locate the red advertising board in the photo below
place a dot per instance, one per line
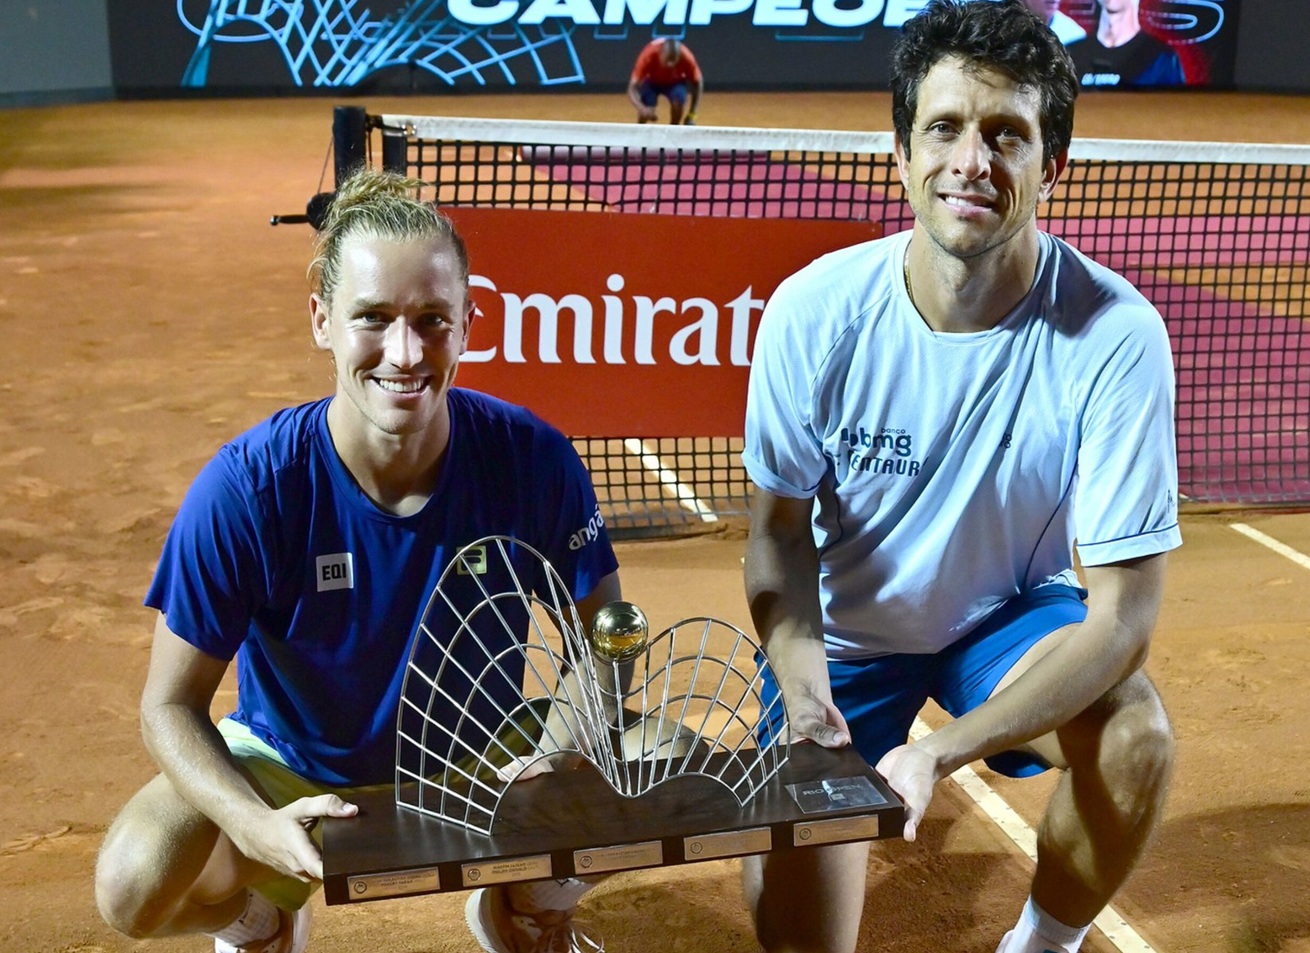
(609, 324)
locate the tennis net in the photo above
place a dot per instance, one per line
(1216, 235)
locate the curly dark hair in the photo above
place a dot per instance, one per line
(1001, 34)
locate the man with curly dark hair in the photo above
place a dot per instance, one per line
(935, 421)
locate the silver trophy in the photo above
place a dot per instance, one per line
(528, 748)
(503, 676)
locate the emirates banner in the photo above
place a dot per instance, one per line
(613, 325)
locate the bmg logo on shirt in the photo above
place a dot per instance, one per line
(897, 441)
(864, 449)
(336, 571)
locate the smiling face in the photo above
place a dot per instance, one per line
(396, 324)
(974, 172)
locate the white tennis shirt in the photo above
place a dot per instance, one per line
(952, 472)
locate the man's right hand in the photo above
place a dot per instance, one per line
(279, 839)
(813, 719)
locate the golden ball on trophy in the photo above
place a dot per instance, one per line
(619, 632)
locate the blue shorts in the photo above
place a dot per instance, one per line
(649, 92)
(880, 697)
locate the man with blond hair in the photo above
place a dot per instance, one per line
(307, 550)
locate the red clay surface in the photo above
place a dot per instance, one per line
(149, 313)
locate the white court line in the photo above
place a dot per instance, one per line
(1115, 927)
(684, 494)
(1282, 549)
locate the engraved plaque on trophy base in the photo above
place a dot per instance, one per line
(569, 823)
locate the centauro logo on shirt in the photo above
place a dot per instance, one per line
(335, 572)
(883, 451)
(588, 533)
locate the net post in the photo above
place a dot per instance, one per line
(395, 151)
(349, 139)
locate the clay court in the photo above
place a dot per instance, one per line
(153, 313)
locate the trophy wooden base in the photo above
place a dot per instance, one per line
(572, 823)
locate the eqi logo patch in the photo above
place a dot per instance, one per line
(336, 571)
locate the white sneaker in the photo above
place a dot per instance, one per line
(292, 936)
(499, 928)
(1005, 940)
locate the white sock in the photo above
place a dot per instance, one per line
(1039, 932)
(555, 894)
(258, 921)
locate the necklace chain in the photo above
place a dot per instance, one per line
(909, 285)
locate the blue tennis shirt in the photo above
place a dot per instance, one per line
(277, 558)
